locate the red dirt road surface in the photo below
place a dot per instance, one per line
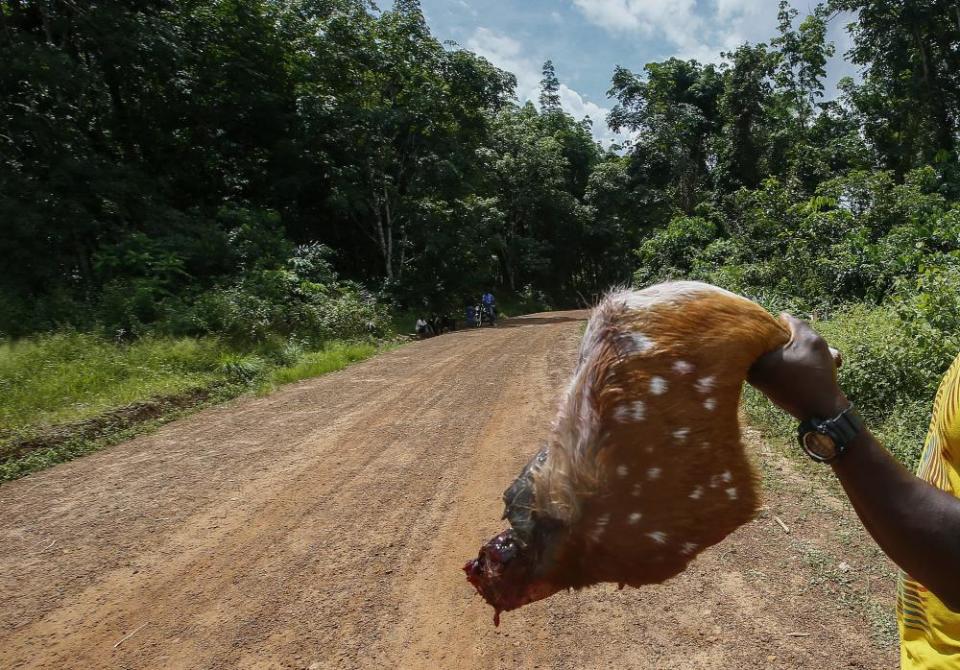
(325, 526)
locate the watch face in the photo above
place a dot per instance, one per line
(820, 445)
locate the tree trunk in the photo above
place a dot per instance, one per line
(403, 250)
(389, 230)
(382, 233)
(3, 23)
(511, 276)
(934, 96)
(505, 257)
(122, 123)
(45, 19)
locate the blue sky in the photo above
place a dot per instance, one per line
(587, 38)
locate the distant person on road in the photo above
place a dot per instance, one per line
(423, 328)
(489, 305)
(914, 519)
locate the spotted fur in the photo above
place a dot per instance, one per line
(644, 466)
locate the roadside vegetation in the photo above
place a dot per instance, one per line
(845, 212)
(874, 263)
(67, 394)
(209, 196)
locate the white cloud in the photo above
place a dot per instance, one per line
(614, 15)
(465, 6)
(677, 22)
(574, 103)
(703, 30)
(694, 30)
(577, 107)
(508, 54)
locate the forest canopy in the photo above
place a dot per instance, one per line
(192, 167)
(276, 176)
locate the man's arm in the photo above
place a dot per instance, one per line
(916, 524)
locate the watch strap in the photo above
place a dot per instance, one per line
(842, 429)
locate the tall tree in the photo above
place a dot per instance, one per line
(911, 92)
(675, 112)
(404, 136)
(803, 54)
(744, 104)
(549, 89)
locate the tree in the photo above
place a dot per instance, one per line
(406, 135)
(549, 89)
(911, 94)
(802, 59)
(675, 111)
(744, 109)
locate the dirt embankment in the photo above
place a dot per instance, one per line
(324, 526)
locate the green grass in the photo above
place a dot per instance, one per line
(70, 377)
(331, 358)
(61, 393)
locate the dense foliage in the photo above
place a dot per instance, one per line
(291, 171)
(161, 164)
(845, 211)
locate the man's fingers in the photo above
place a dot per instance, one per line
(801, 331)
(803, 334)
(794, 324)
(763, 366)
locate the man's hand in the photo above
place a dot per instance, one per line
(916, 524)
(800, 377)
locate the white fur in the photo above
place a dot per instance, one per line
(706, 384)
(658, 536)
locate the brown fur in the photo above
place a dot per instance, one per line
(681, 467)
(644, 467)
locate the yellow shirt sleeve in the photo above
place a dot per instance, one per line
(929, 631)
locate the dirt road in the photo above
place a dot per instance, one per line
(325, 526)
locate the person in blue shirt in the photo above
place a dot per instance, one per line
(489, 304)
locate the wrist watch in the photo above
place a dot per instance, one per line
(826, 440)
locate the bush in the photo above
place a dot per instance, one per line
(241, 368)
(281, 293)
(930, 306)
(302, 300)
(671, 252)
(877, 263)
(885, 366)
(886, 372)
